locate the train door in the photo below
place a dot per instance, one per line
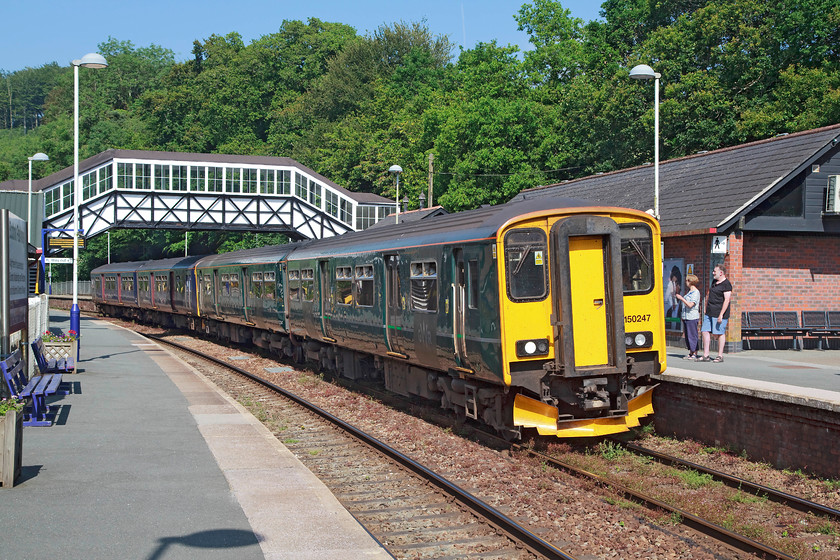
(459, 309)
(217, 294)
(393, 305)
(247, 300)
(173, 291)
(324, 291)
(588, 302)
(283, 295)
(119, 288)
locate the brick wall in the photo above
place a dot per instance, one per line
(784, 434)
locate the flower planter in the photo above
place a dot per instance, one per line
(11, 447)
(58, 351)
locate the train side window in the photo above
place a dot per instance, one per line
(307, 284)
(234, 284)
(472, 280)
(424, 289)
(525, 260)
(636, 258)
(294, 285)
(364, 285)
(344, 285)
(257, 284)
(269, 285)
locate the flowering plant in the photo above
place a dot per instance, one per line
(8, 405)
(61, 337)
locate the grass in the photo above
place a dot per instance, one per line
(694, 479)
(611, 451)
(740, 497)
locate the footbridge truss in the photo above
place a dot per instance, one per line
(191, 192)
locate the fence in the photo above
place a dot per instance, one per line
(66, 288)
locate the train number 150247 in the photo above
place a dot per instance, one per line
(636, 318)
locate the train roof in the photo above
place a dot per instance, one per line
(114, 268)
(169, 264)
(482, 223)
(260, 255)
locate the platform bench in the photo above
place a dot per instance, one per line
(35, 390)
(48, 364)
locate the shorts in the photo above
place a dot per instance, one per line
(713, 325)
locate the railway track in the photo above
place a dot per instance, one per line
(412, 511)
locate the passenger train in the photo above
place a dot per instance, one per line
(543, 314)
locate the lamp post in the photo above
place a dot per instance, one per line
(90, 60)
(396, 170)
(645, 72)
(40, 156)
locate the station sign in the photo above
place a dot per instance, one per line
(64, 243)
(58, 260)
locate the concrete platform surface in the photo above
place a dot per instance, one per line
(808, 377)
(149, 460)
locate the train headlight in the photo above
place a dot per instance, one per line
(534, 347)
(638, 339)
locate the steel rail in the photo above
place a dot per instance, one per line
(698, 524)
(518, 533)
(790, 500)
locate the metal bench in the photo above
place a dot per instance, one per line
(35, 390)
(787, 324)
(757, 324)
(816, 322)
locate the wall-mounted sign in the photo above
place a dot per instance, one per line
(719, 244)
(58, 260)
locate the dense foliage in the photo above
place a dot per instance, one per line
(495, 119)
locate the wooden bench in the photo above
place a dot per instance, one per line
(48, 364)
(36, 390)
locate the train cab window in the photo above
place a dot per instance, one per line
(294, 285)
(636, 258)
(269, 285)
(364, 285)
(307, 284)
(472, 281)
(424, 289)
(344, 285)
(257, 284)
(525, 264)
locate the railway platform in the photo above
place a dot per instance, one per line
(791, 375)
(148, 460)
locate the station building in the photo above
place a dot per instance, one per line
(769, 211)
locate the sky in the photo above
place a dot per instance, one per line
(38, 33)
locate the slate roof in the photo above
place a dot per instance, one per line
(706, 190)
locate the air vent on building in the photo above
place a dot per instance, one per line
(832, 201)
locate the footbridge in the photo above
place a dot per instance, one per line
(191, 192)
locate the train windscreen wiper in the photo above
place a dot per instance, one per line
(522, 260)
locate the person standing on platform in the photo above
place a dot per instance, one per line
(691, 315)
(717, 313)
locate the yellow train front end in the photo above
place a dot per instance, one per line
(582, 318)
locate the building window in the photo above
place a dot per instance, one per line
(88, 185)
(215, 179)
(143, 176)
(106, 179)
(300, 186)
(315, 194)
(385, 211)
(249, 181)
(365, 217)
(197, 178)
(67, 195)
(179, 177)
(525, 264)
(284, 182)
(266, 181)
(346, 215)
(52, 201)
(125, 175)
(161, 177)
(424, 291)
(332, 204)
(232, 177)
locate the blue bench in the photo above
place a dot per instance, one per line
(36, 390)
(50, 365)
